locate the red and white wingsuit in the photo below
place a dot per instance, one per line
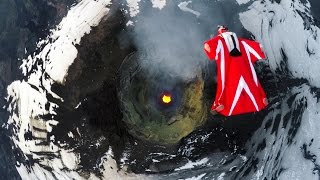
(238, 88)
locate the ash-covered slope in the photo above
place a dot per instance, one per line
(64, 120)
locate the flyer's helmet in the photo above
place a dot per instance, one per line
(222, 29)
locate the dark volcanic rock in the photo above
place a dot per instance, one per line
(91, 108)
(22, 24)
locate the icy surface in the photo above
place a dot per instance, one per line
(285, 142)
(288, 33)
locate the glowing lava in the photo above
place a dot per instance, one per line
(166, 98)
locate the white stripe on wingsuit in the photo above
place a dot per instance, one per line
(229, 42)
(242, 85)
(227, 37)
(248, 51)
(222, 68)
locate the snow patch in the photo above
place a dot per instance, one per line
(296, 153)
(69, 159)
(307, 141)
(70, 134)
(133, 7)
(28, 98)
(129, 23)
(29, 109)
(240, 2)
(197, 177)
(220, 177)
(183, 7)
(287, 32)
(158, 4)
(191, 164)
(60, 54)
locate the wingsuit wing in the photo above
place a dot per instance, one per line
(214, 50)
(254, 49)
(210, 48)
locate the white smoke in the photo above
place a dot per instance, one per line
(171, 40)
